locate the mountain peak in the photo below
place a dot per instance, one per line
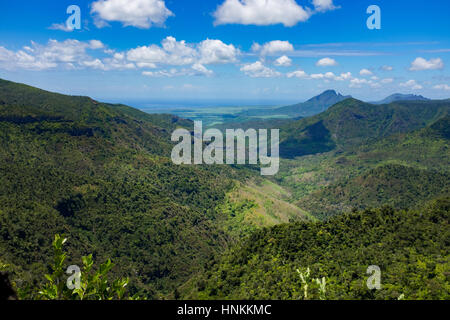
(314, 105)
(328, 98)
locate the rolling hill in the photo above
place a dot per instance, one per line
(409, 246)
(352, 122)
(402, 170)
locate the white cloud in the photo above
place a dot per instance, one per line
(327, 77)
(331, 76)
(283, 61)
(178, 53)
(261, 12)
(387, 80)
(273, 47)
(96, 44)
(298, 74)
(164, 73)
(201, 69)
(387, 68)
(344, 76)
(215, 51)
(195, 70)
(74, 54)
(317, 76)
(61, 27)
(118, 61)
(412, 84)
(326, 62)
(365, 72)
(445, 87)
(324, 5)
(258, 70)
(69, 54)
(422, 64)
(357, 83)
(172, 52)
(94, 64)
(136, 13)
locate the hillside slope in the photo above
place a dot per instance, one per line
(352, 122)
(402, 170)
(411, 249)
(100, 175)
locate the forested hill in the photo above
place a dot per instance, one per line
(411, 248)
(402, 170)
(98, 174)
(352, 122)
(83, 116)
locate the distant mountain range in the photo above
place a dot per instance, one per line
(316, 105)
(401, 97)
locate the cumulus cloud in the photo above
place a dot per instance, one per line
(387, 80)
(283, 61)
(178, 53)
(332, 76)
(324, 5)
(201, 69)
(136, 13)
(171, 52)
(298, 74)
(69, 54)
(93, 54)
(96, 44)
(258, 70)
(365, 72)
(194, 70)
(328, 76)
(215, 52)
(422, 64)
(412, 84)
(326, 62)
(445, 87)
(261, 12)
(387, 68)
(273, 47)
(61, 27)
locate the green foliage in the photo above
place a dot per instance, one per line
(395, 185)
(112, 190)
(101, 175)
(94, 285)
(403, 171)
(352, 123)
(410, 247)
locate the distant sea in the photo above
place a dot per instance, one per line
(159, 106)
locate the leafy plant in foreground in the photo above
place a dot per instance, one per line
(93, 284)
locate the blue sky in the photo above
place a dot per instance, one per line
(236, 51)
